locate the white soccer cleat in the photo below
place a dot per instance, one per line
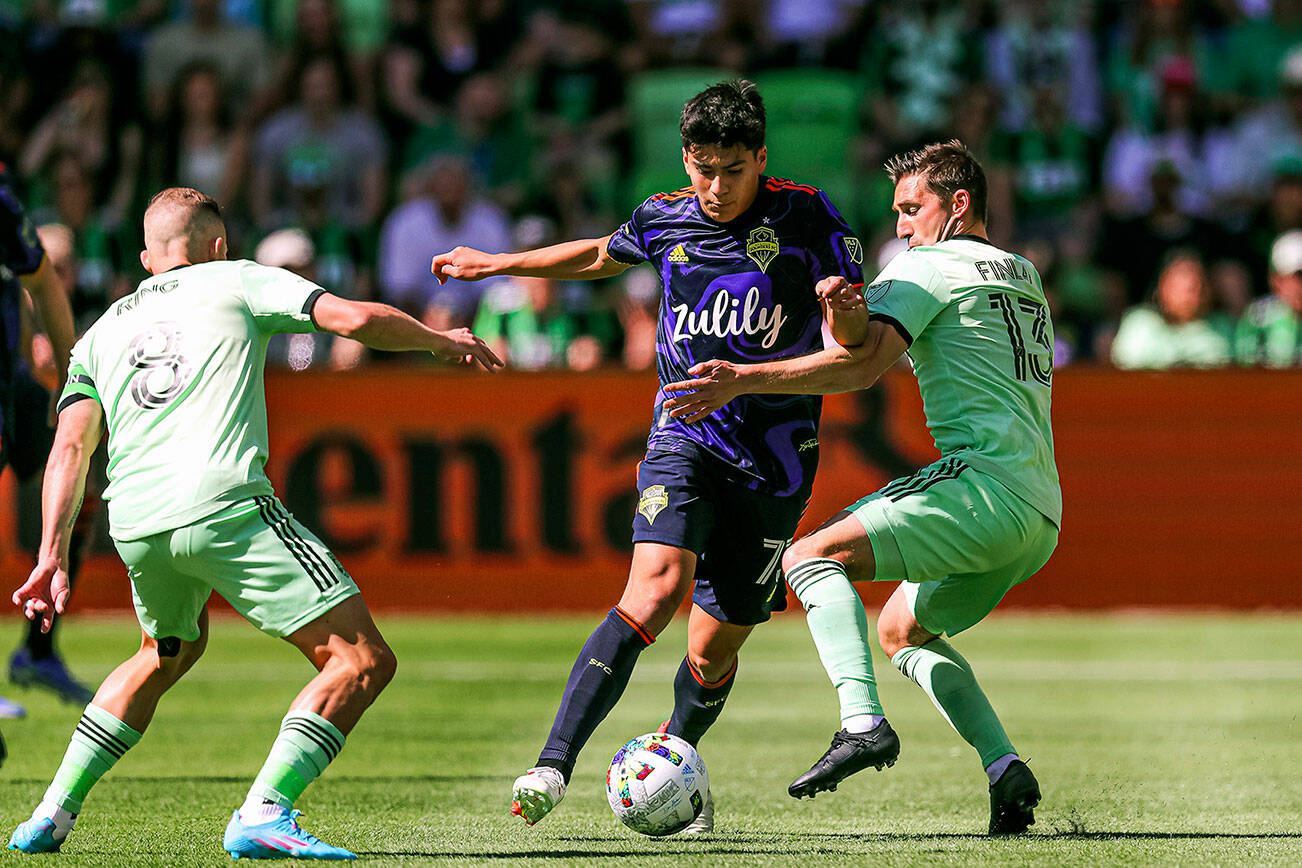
(536, 793)
(704, 822)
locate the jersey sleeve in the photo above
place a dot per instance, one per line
(20, 249)
(80, 385)
(628, 243)
(279, 300)
(908, 294)
(836, 250)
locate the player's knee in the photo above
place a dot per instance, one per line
(891, 637)
(383, 666)
(712, 664)
(801, 550)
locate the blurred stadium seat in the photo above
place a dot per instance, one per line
(812, 118)
(655, 106)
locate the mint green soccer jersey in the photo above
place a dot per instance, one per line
(981, 344)
(177, 366)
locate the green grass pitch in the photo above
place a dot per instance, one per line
(1157, 740)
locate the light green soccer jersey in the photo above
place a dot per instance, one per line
(982, 349)
(177, 366)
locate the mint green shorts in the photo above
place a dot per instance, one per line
(958, 537)
(274, 571)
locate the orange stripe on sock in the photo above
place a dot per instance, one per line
(700, 679)
(632, 622)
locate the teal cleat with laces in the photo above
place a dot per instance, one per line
(35, 836)
(277, 839)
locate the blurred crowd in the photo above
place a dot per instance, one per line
(1146, 155)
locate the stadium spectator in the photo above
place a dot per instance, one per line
(1184, 135)
(429, 58)
(201, 146)
(239, 51)
(487, 133)
(362, 25)
(1271, 134)
(320, 142)
(1047, 172)
(639, 307)
(810, 32)
(1270, 331)
(99, 254)
(918, 61)
(1178, 329)
(1247, 66)
(319, 31)
(88, 126)
(1133, 249)
(442, 211)
(579, 100)
(1044, 43)
(677, 32)
(292, 249)
(1163, 34)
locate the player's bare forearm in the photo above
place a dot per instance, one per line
(64, 486)
(50, 299)
(383, 327)
(585, 259)
(836, 369)
(844, 310)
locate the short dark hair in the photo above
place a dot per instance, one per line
(726, 114)
(947, 168)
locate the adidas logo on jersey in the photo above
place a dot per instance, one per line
(678, 254)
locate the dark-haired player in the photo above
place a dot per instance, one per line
(739, 255)
(26, 413)
(959, 533)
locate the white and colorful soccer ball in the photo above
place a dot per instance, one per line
(657, 784)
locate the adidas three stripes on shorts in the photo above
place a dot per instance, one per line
(958, 538)
(274, 571)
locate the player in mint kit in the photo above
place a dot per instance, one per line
(739, 254)
(174, 371)
(959, 533)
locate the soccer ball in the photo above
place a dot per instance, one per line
(657, 784)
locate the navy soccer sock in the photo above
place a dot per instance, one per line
(697, 705)
(597, 681)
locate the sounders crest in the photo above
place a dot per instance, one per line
(654, 499)
(762, 246)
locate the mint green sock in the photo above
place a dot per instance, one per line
(947, 678)
(305, 746)
(839, 626)
(98, 742)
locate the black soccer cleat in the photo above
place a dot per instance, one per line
(850, 752)
(1013, 799)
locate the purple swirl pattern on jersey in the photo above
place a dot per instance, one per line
(727, 295)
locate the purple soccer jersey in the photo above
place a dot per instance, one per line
(20, 253)
(743, 291)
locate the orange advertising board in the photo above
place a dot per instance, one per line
(454, 491)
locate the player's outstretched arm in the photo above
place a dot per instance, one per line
(382, 327)
(836, 369)
(585, 259)
(844, 309)
(45, 592)
(54, 312)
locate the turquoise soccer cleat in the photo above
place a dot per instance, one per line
(277, 839)
(35, 836)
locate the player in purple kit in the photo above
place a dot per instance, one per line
(739, 256)
(26, 409)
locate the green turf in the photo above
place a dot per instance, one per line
(1157, 740)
